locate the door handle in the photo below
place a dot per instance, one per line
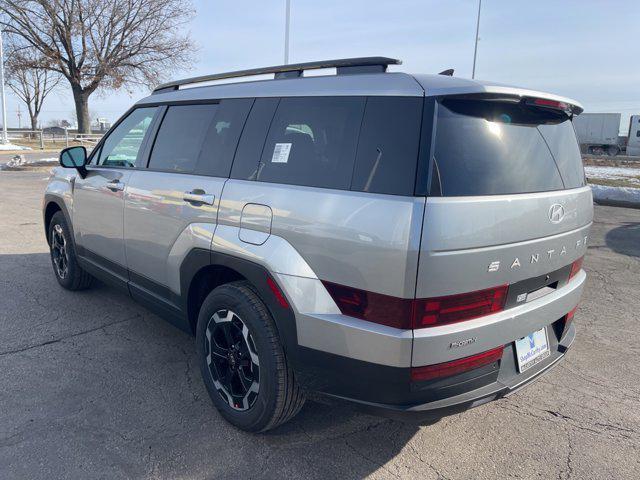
(198, 196)
(115, 185)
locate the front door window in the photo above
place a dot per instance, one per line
(122, 148)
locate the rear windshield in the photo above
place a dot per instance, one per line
(488, 147)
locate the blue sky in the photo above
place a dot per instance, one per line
(585, 49)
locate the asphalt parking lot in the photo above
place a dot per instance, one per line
(94, 386)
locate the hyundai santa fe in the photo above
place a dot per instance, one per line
(409, 243)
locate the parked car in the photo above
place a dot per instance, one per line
(409, 243)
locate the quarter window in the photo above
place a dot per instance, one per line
(388, 146)
(122, 148)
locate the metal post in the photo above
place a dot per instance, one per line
(475, 50)
(41, 140)
(286, 31)
(66, 138)
(4, 138)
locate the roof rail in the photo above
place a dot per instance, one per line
(343, 66)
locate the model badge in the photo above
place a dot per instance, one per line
(536, 257)
(556, 213)
(463, 343)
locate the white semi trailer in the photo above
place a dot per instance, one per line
(598, 133)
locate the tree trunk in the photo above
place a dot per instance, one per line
(34, 121)
(81, 100)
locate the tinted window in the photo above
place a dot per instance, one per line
(388, 146)
(312, 141)
(180, 137)
(245, 163)
(492, 148)
(221, 140)
(563, 144)
(122, 148)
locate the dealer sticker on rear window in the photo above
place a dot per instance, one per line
(281, 153)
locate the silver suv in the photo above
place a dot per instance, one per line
(410, 243)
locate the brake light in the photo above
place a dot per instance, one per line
(431, 312)
(447, 369)
(575, 267)
(408, 313)
(544, 102)
(570, 315)
(277, 293)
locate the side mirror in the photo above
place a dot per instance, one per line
(74, 157)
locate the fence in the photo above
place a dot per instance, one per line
(41, 136)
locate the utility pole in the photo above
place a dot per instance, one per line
(5, 138)
(475, 50)
(19, 115)
(286, 31)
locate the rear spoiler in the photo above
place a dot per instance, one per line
(547, 102)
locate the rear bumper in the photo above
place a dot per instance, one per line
(433, 345)
(503, 382)
(370, 365)
(368, 342)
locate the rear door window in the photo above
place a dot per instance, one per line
(493, 148)
(180, 138)
(312, 141)
(219, 146)
(388, 146)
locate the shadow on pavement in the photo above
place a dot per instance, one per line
(625, 239)
(112, 390)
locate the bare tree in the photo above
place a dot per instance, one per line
(31, 85)
(101, 43)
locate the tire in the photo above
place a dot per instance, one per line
(242, 361)
(612, 150)
(63, 256)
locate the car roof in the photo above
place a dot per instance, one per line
(357, 84)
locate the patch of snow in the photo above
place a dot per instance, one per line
(632, 175)
(20, 161)
(10, 146)
(616, 194)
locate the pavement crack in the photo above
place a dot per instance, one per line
(66, 337)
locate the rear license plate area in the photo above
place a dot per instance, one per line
(532, 349)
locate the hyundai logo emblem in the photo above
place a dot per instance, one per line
(556, 213)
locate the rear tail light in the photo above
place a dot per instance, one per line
(374, 307)
(576, 267)
(431, 312)
(454, 367)
(407, 313)
(570, 315)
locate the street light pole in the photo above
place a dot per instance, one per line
(286, 31)
(4, 139)
(475, 50)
